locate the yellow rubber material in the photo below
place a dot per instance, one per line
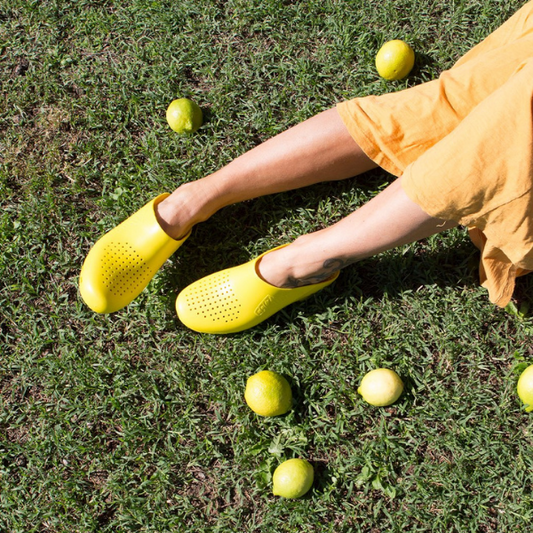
(236, 299)
(122, 263)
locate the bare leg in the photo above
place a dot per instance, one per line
(319, 149)
(390, 219)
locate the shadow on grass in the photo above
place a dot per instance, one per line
(395, 273)
(423, 64)
(224, 240)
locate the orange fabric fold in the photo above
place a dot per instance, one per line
(463, 145)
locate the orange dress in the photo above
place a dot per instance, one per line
(463, 145)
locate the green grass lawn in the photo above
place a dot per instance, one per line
(130, 422)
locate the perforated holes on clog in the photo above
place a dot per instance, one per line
(124, 270)
(213, 299)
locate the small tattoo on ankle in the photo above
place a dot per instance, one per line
(335, 264)
(329, 267)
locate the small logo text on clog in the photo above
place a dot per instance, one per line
(262, 307)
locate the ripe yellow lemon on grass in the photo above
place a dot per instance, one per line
(395, 60)
(292, 479)
(268, 393)
(184, 116)
(525, 388)
(381, 387)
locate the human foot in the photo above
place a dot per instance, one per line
(188, 205)
(293, 266)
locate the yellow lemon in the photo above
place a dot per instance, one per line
(395, 60)
(525, 388)
(381, 387)
(268, 394)
(292, 479)
(184, 116)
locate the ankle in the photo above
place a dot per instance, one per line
(186, 206)
(290, 267)
(273, 269)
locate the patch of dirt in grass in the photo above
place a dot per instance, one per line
(98, 479)
(42, 142)
(210, 496)
(14, 393)
(16, 435)
(20, 68)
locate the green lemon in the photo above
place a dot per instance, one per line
(184, 116)
(292, 479)
(525, 388)
(395, 60)
(381, 387)
(268, 393)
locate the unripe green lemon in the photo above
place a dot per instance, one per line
(184, 116)
(525, 388)
(381, 387)
(268, 393)
(395, 60)
(292, 479)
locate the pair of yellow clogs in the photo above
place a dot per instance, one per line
(122, 263)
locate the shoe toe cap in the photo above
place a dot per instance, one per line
(96, 299)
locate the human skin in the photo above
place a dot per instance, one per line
(317, 150)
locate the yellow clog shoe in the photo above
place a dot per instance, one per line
(236, 299)
(122, 263)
